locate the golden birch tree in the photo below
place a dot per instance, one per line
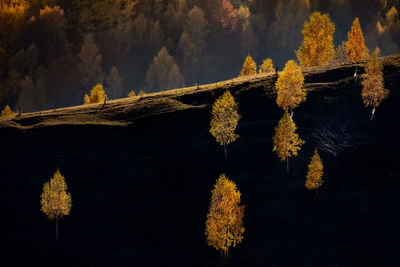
(290, 90)
(315, 172)
(97, 95)
(224, 225)
(224, 120)
(317, 48)
(266, 66)
(55, 201)
(249, 67)
(356, 50)
(373, 89)
(286, 141)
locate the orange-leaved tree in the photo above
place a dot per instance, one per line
(356, 50)
(266, 66)
(249, 67)
(97, 95)
(290, 90)
(315, 172)
(224, 225)
(224, 120)
(317, 48)
(373, 89)
(286, 141)
(6, 112)
(55, 201)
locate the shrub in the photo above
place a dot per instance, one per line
(132, 94)
(97, 95)
(6, 112)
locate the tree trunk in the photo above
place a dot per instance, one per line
(57, 231)
(355, 73)
(287, 165)
(291, 113)
(373, 114)
(222, 257)
(226, 155)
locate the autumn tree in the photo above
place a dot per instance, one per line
(97, 95)
(356, 50)
(114, 81)
(266, 66)
(286, 141)
(340, 53)
(224, 225)
(224, 120)
(373, 89)
(55, 200)
(163, 72)
(131, 93)
(290, 90)
(315, 172)
(317, 48)
(249, 67)
(6, 112)
(90, 61)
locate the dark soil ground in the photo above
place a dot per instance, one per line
(141, 172)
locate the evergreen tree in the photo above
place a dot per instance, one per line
(249, 67)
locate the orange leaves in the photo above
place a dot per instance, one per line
(249, 67)
(6, 112)
(355, 46)
(373, 90)
(55, 200)
(286, 141)
(315, 172)
(290, 86)
(224, 119)
(224, 225)
(97, 95)
(317, 48)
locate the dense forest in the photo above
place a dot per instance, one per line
(53, 51)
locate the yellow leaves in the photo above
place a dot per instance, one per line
(267, 66)
(6, 112)
(290, 86)
(224, 225)
(315, 172)
(224, 119)
(55, 201)
(132, 94)
(249, 67)
(286, 141)
(373, 90)
(355, 46)
(317, 48)
(97, 95)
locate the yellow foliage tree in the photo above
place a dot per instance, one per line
(132, 94)
(317, 48)
(373, 90)
(249, 67)
(224, 225)
(355, 45)
(290, 91)
(286, 141)
(224, 120)
(55, 201)
(6, 112)
(267, 66)
(97, 95)
(315, 172)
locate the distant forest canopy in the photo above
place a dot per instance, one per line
(54, 51)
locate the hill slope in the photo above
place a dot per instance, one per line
(140, 172)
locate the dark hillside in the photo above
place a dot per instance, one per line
(140, 172)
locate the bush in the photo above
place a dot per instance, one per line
(142, 93)
(97, 95)
(6, 112)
